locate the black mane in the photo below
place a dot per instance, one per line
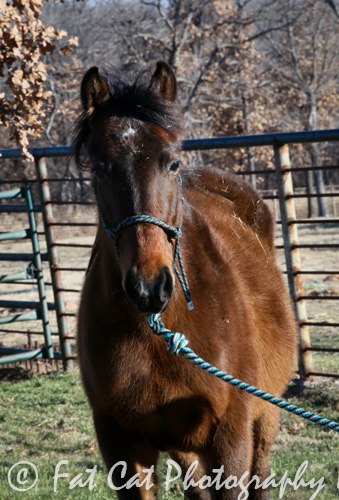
(135, 100)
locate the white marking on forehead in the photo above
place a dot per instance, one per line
(128, 133)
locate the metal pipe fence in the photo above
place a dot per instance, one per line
(318, 337)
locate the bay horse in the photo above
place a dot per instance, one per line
(144, 399)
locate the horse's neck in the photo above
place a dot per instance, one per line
(220, 182)
(245, 203)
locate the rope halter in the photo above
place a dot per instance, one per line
(173, 232)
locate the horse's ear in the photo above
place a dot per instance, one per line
(94, 90)
(163, 82)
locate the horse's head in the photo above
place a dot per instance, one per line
(130, 133)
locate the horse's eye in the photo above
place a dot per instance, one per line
(173, 166)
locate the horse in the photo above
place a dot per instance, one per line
(145, 400)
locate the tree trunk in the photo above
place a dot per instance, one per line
(314, 154)
(250, 156)
(309, 192)
(318, 181)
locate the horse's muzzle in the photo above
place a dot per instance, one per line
(150, 296)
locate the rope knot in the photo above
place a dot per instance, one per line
(178, 232)
(154, 321)
(176, 343)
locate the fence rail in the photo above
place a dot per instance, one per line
(288, 221)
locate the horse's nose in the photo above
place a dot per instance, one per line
(150, 296)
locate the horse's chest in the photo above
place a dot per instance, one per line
(173, 421)
(182, 424)
(152, 400)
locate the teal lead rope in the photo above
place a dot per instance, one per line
(177, 344)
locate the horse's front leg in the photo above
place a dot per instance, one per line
(222, 468)
(192, 471)
(265, 429)
(230, 459)
(130, 462)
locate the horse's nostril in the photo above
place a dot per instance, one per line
(149, 295)
(166, 284)
(134, 285)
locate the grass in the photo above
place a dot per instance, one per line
(331, 361)
(46, 419)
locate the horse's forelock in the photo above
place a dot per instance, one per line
(136, 100)
(139, 101)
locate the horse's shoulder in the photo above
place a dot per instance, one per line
(246, 202)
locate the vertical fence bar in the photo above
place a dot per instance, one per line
(334, 202)
(38, 273)
(292, 254)
(48, 220)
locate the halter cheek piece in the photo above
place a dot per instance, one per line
(173, 232)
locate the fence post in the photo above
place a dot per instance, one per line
(37, 262)
(292, 254)
(48, 220)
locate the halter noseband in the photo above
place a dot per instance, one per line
(171, 231)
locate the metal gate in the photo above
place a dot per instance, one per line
(289, 224)
(32, 271)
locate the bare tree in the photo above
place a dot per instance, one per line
(305, 57)
(243, 66)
